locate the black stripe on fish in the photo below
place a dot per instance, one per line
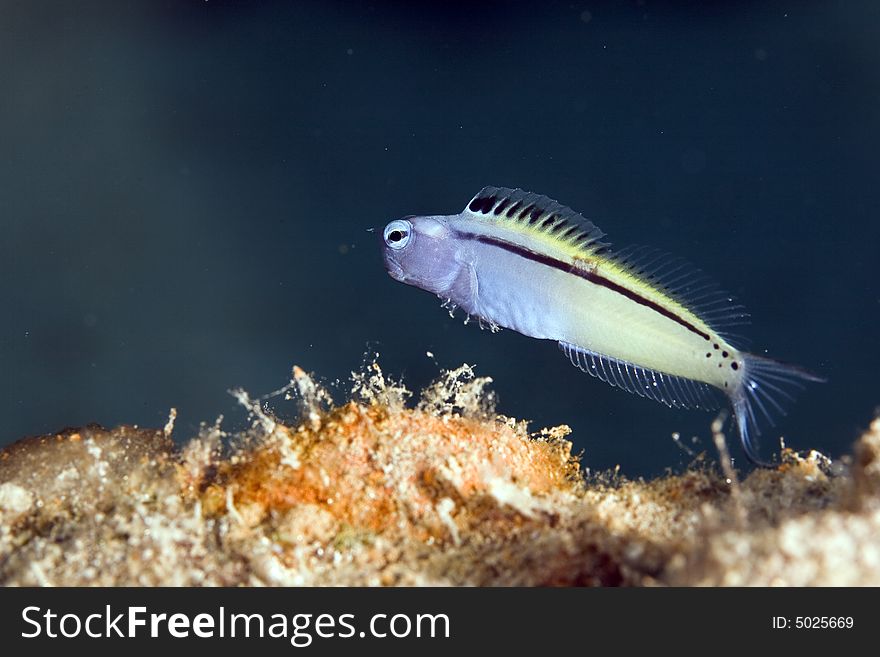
(590, 276)
(671, 276)
(687, 285)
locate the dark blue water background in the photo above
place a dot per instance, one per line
(185, 189)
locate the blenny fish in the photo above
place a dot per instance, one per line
(636, 318)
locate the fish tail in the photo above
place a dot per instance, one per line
(765, 388)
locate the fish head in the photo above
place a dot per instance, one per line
(420, 251)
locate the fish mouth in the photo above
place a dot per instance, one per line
(394, 270)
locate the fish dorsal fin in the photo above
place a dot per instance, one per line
(687, 285)
(537, 215)
(557, 225)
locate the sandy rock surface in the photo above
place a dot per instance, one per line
(444, 492)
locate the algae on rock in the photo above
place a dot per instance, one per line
(374, 492)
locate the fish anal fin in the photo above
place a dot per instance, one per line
(673, 391)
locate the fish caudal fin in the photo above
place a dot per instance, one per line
(767, 386)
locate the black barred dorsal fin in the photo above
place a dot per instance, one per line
(674, 391)
(538, 215)
(686, 284)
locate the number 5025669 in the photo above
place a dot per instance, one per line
(823, 622)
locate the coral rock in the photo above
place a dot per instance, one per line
(376, 492)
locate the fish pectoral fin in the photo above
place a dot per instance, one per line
(674, 391)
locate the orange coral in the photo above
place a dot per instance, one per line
(382, 467)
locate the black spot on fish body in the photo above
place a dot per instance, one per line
(548, 224)
(734, 365)
(500, 207)
(525, 212)
(482, 205)
(514, 209)
(568, 232)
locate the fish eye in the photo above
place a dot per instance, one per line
(397, 233)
